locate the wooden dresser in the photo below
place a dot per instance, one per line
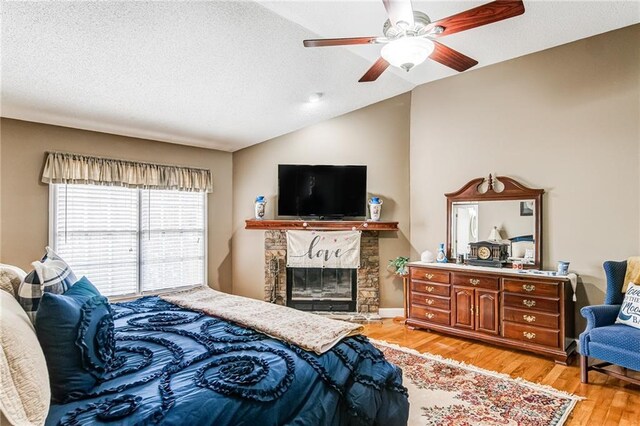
(502, 306)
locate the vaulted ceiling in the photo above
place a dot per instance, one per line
(227, 75)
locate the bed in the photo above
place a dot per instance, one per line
(180, 366)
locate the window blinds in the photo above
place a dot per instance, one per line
(128, 241)
(172, 243)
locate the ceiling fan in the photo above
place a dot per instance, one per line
(409, 36)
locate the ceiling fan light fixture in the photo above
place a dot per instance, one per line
(407, 52)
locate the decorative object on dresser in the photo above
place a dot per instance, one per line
(488, 253)
(522, 310)
(427, 257)
(441, 257)
(491, 206)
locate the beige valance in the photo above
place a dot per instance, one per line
(76, 168)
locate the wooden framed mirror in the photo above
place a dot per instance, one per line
(496, 208)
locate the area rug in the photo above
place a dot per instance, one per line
(446, 392)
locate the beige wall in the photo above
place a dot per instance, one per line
(24, 199)
(377, 136)
(566, 120)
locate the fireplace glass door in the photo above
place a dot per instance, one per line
(322, 289)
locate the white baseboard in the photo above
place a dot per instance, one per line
(391, 312)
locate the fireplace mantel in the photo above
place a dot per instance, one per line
(324, 225)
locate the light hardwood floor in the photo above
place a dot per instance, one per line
(608, 400)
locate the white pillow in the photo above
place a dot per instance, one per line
(630, 310)
(24, 380)
(10, 278)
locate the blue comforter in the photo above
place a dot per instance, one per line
(180, 367)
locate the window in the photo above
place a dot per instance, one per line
(130, 241)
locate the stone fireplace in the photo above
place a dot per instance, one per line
(365, 281)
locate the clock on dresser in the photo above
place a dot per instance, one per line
(488, 253)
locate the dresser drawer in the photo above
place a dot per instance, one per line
(525, 333)
(531, 303)
(430, 288)
(532, 318)
(431, 301)
(432, 275)
(431, 315)
(533, 288)
(470, 280)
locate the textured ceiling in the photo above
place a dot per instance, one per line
(227, 75)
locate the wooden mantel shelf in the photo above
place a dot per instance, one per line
(324, 225)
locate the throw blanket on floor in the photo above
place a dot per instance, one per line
(308, 331)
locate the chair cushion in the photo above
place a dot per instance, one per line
(617, 335)
(76, 332)
(51, 275)
(630, 311)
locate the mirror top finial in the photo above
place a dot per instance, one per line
(510, 189)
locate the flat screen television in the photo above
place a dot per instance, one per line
(324, 191)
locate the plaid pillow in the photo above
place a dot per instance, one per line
(51, 274)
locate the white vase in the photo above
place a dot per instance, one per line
(375, 208)
(259, 207)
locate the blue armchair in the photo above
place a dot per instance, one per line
(615, 344)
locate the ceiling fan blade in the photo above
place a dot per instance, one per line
(451, 58)
(399, 11)
(374, 72)
(322, 42)
(478, 16)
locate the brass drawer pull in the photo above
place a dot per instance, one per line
(428, 276)
(430, 315)
(529, 318)
(429, 288)
(529, 303)
(528, 287)
(429, 301)
(474, 281)
(529, 335)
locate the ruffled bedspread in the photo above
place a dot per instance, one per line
(177, 366)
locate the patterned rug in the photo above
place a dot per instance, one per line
(446, 392)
